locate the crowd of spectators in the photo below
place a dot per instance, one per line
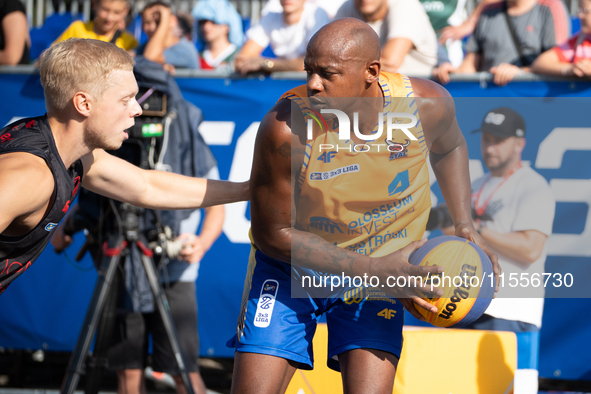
(433, 38)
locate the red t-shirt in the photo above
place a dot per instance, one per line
(575, 49)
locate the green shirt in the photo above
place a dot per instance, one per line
(439, 12)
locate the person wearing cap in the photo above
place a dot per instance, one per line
(219, 33)
(514, 208)
(166, 43)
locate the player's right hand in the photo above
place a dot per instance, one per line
(396, 265)
(60, 241)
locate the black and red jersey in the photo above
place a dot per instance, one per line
(33, 135)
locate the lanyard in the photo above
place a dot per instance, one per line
(481, 209)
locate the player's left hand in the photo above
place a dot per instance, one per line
(409, 305)
(193, 248)
(504, 73)
(469, 232)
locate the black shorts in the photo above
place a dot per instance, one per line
(129, 348)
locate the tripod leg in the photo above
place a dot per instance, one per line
(164, 310)
(101, 290)
(97, 362)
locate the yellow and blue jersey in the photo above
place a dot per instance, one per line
(373, 201)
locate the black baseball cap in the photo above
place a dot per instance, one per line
(503, 122)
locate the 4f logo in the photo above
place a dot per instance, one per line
(327, 156)
(387, 313)
(5, 138)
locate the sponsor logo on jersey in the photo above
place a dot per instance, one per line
(327, 156)
(397, 150)
(322, 176)
(324, 224)
(50, 226)
(262, 317)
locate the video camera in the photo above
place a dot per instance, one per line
(154, 105)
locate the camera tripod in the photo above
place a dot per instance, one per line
(115, 249)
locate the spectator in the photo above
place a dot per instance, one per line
(573, 58)
(515, 208)
(288, 34)
(330, 6)
(14, 34)
(443, 13)
(109, 18)
(507, 50)
(409, 44)
(220, 33)
(464, 29)
(166, 43)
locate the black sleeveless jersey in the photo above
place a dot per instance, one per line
(33, 135)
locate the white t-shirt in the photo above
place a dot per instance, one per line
(288, 41)
(406, 19)
(523, 202)
(330, 6)
(179, 270)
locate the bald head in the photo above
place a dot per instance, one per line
(348, 38)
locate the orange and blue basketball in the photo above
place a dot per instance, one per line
(467, 282)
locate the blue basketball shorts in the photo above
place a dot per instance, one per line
(273, 322)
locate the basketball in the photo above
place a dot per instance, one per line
(467, 282)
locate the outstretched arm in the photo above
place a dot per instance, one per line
(115, 178)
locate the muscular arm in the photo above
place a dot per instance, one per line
(115, 178)
(394, 52)
(449, 157)
(524, 247)
(16, 35)
(249, 60)
(27, 186)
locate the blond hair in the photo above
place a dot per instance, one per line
(79, 64)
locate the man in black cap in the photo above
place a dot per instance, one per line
(514, 208)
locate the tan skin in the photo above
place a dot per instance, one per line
(16, 36)
(343, 68)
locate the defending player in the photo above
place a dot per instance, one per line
(292, 189)
(90, 94)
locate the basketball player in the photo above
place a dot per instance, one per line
(90, 94)
(384, 194)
